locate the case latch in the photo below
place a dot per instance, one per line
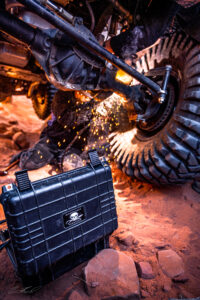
(94, 158)
(23, 180)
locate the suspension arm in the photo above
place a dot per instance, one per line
(90, 44)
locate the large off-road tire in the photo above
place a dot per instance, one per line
(168, 150)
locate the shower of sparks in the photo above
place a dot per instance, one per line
(107, 116)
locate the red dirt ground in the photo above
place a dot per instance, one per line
(158, 218)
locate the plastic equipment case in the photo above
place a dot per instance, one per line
(58, 222)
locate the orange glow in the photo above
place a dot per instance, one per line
(123, 77)
(81, 97)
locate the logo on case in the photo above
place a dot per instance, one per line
(74, 217)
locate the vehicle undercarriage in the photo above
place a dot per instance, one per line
(47, 46)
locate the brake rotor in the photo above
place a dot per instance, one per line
(159, 113)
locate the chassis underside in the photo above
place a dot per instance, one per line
(62, 50)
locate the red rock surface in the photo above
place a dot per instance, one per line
(157, 218)
(20, 140)
(114, 274)
(145, 270)
(171, 263)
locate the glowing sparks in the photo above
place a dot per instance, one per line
(105, 117)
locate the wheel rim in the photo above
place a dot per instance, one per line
(162, 112)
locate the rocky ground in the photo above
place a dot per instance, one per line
(155, 252)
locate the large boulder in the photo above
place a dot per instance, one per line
(112, 274)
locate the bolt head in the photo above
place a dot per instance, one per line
(161, 99)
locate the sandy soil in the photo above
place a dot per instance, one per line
(158, 218)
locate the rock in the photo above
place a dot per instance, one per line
(72, 161)
(167, 286)
(144, 294)
(77, 295)
(171, 263)
(140, 186)
(14, 122)
(20, 140)
(9, 132)
(3, 127)
(6, 143)
(94, 284)
(162, 246)
(145, 270)
(181, 278)
(115, 273)
(185, 251)
(126, 238)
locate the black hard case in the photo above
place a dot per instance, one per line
(48, 238)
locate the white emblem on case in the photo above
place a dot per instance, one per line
(74, 217)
